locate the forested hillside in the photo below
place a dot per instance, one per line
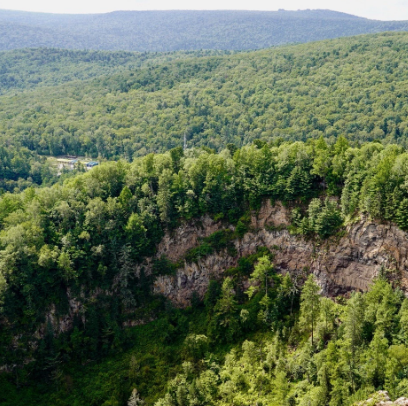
(24, 70)
(355, 87)
(29, 68)
(181, 30)
(317, 130)
(72, 276)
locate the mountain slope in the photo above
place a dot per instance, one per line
(30, 68)
(356, 87)
(83, 261)
(181, 30)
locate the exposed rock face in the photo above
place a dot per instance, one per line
(382, 398)
(175, 244)
(193, 278)
(349, 263)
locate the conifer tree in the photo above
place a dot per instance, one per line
(310, 305)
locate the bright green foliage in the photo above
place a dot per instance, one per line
(86, 247)
(268, 371)
(327, 318)
(261, 281)
(92, 231)
(144, 104)
(310, 305)
(323, 218)
(83, 240)
(274, 368)
(351, 87)
(262, 273)
(225, 312)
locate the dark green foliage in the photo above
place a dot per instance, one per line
(343, 369)
(324, 218)
(246, 264)
(212, 294)
(220, 239)
(162, 266)
(201, 251)
(224, 324)
(243, 225)
(241, 229)
(79, 247)
(402, 214)
(173, 358)
(26, 69)
(21, 168)
(213, 243)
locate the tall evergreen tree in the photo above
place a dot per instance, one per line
(310, 305)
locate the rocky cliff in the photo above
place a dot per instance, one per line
(341, 264)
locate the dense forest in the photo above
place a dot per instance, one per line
(85, 238)
(23, 70)
(26, 69)
(355, 86)
(161, 31)
(320, 128)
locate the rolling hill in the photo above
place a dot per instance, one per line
(355, 87)
(26, 69)
(181, 30)
(273, 272)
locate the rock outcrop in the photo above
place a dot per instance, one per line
(341, 264)
(381, 398)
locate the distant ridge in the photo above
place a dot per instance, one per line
(160, 31)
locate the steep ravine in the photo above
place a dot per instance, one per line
(340, 265)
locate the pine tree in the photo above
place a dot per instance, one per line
(353, 325)
(260, 277)
(402, 215)
(310, 304)
(225, 310)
